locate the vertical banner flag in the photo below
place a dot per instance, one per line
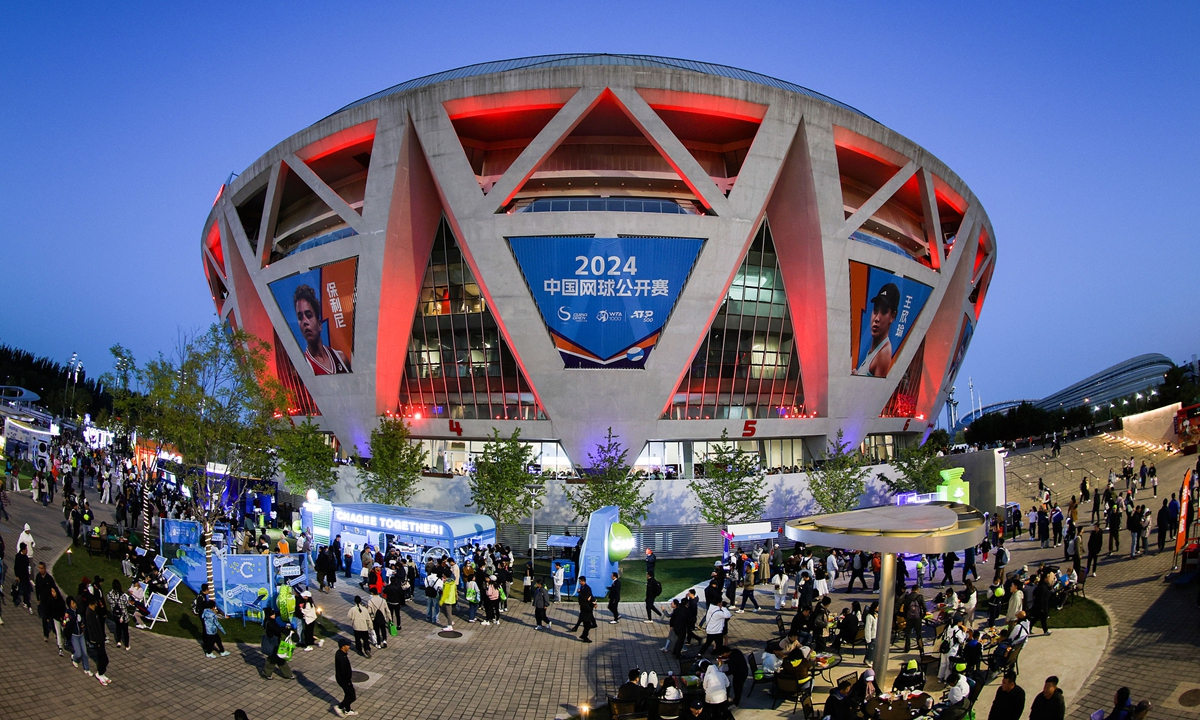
(319, 308)
(1184, 500)
(605, 300)
(883, 309)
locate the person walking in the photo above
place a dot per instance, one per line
(714, 627)
(378, 610)
(651, 561)
(587, 610)
(343, 674)
(614, 599)
(21, 571)
(360, 622)
(433, 592)
(541, 601)
(748, 592)
(73, 625)
(653, 590)
(1009, 703)
(213, 647)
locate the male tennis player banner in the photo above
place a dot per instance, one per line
(883, 309)
(605, 300)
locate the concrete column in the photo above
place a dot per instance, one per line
(887, 599)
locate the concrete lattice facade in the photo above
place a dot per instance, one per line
(842, 202)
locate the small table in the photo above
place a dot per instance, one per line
(902, 707)
(831, 661)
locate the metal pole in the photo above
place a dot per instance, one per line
(887, 594)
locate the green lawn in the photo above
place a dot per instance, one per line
(180, 620)
(675, 576)
(1080, 613)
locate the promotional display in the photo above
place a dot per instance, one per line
(605, 300)
(426, 535)
(179, 532)
(960, 348)
(883, 309)
(606, 543)
(318, 306)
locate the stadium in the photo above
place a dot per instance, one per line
(566, 244)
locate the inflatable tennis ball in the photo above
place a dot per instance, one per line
(999, 592)
(620, 542)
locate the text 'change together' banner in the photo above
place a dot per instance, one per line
(605, 300)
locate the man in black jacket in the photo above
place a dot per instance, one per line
(653, 590)
(651, 560)
(94, 625)
(1049, 703)
(738, 671)
(682, 625)
(1163, 522)
(1094, 546)
(614, 599)
(1009, 703)
(587, 608)
(345, 679)
(1041, 602)
(21, 570)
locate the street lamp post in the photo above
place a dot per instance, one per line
(534, 490)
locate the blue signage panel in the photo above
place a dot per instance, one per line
(605, 300)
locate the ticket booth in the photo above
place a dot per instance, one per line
(425, 535)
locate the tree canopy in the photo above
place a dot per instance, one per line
(734, 488)
(501, 474)
(609, 481)
(391, 474)
(306, 459)
(839, 480)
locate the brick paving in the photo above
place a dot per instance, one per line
(513, 671)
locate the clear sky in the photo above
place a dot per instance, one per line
(1075, 124)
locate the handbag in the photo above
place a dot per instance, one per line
(286, 648)
(392, 629)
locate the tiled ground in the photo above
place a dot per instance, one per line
(514, 671)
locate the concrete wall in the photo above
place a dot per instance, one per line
(674, 503)
(1156, 426)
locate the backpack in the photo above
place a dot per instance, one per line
(196, 609)
(1002, 556)
(655, 588)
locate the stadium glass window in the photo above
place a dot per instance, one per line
(644, 205)
(747, 366)
(458, 363)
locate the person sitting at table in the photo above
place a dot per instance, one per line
(910, 678)
(670, 689)
(802, 625)
(697, 710)
(863, 689)
(847, 629)
(1001, 654)
(716, 686)
(954, 706)
(796, 666)
(1020, 631)
(838, 706)
(633, 692)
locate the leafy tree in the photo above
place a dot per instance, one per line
(608, 481)
(1177, 387)
(940, 440)
(919, 469)
(501, 473)
(839, 480)
(733, 488)
(390, 475)
(306, 459)
(216, 402)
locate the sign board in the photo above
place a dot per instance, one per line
(605, 301)
(752, 531)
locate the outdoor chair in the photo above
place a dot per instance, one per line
(1013, 660)
(753, 671)
(852, 677)
(670, 709)
(860, 638)
(783, 632)
(618, 710)
(95, 545)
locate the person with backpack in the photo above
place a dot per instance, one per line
(1001, 561)
(360, 622)
(913, 607)
(653, 590)
(377, 608)
(433, 592)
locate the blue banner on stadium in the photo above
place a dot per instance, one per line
(605, 300)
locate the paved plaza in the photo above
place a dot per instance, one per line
(513, 671)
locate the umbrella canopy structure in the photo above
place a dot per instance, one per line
(930, 528)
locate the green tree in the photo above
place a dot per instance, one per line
(939, 439)
(839, 480)
(501, 473)
(216, 403)
(608, 481)
(306, 459)
(733, 488)
(390, 475)
(919, 469)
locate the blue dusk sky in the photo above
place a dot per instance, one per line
(1075, 124)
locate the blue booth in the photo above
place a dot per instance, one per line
(426, 535)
